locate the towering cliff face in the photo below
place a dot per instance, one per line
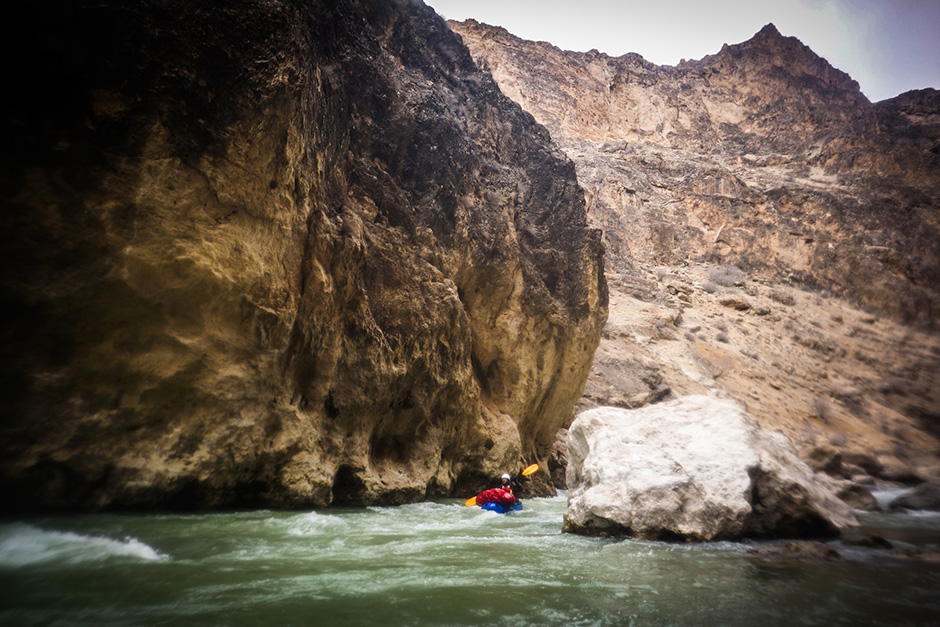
(280, 253)
(765, 157)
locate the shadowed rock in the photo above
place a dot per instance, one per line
(278, 253)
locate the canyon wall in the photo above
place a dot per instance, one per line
(279, 253)
(762, 154)
(772, 236)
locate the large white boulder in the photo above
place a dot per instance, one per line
(697, 468)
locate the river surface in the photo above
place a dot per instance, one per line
(438, 564)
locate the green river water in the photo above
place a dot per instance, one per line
(437, 564)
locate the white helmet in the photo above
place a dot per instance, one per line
(506, 476)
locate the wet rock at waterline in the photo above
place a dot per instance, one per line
(857, 496)
(278, 254)
(799, 550)
(926, 496)
(697, 468)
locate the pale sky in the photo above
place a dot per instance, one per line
(888, 46)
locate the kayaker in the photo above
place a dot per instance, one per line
(501, 498)
(508, 483)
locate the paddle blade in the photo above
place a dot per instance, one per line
(528, 471)
(471, 501)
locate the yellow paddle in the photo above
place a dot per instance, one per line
(525, 473)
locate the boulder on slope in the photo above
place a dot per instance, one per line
(696, 469)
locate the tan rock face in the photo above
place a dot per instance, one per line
(765, 158)
(281, 255)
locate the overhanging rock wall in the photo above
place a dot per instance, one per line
(283, 254)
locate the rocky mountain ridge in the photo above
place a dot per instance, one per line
(772, 236)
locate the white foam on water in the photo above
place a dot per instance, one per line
(884, 496)
(920, 513)
(25, 545)
(314, 524)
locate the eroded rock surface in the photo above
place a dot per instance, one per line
(697, 468)
(279, 253)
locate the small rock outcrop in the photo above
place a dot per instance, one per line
(697, 469)
(803, 551)
(282, 254)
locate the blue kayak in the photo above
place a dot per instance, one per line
(501, 509)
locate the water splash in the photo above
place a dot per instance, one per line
(23, 545)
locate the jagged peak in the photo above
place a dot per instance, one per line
(771, 39)
(770, 48)
(768, 31)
